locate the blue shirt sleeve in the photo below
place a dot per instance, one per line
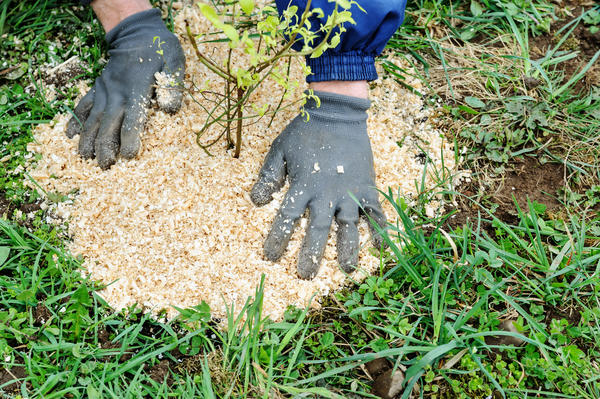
(354, 57)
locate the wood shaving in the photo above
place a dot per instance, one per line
(165, 90)
(175, 226)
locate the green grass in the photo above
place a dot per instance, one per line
(37, 33)
(479, 61)
(439, 299)
(436, 307)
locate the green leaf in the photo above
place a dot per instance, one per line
(485, 120)
(476, 8)
(511, 9)
(231, 33)
(335, 40)
(82, 296)
(247, 6)
(466, 109)
(467, 34)
(209, 13)
(327, 339)
(17, 72)
(4, 252)
(76, 350)
(26, 295)
(474, 102)
(345, 4)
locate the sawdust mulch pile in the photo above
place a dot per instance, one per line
(176, 227)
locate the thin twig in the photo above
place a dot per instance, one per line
(208, 63)
(238, 133)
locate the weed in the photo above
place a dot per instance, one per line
(592, 19)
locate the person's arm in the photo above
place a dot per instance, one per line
(111, 12)
(111, 116)
(347, 68)
(327, 158)
(354, 57)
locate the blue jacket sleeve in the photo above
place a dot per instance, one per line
(354, 57)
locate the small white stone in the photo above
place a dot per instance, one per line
(340, 169)
(317, 167)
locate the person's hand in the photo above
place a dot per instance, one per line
(325, 159)
(111, 116)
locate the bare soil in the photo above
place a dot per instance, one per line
(160, 371)
(581, 40)
(528, 180)
(7, 208)
(41, 314)
(14, 374)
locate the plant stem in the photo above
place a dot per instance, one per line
(209, 64)
(238, 133)
(228, 95)
(285, 90)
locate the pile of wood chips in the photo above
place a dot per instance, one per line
(176, 227)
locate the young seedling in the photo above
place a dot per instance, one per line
(265, 40)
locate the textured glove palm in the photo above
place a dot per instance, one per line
(325, 159)
(111, 116)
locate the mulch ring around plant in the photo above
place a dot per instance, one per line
(176, 227)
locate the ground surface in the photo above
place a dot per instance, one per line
(177, 226)
(497, 300)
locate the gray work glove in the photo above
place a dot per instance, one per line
(324, 158)
(112, 114)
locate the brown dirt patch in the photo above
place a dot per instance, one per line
(14, 375)
(105, 341)
(527, 180)
(570, 313)
(64, 73)
(6, 207)
(160, 371)
(41, 314)
(581, 39)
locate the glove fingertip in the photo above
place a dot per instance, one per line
(261, 194)
(311, 255)
(273, 251)
(347, 247)
(106, 163)
(306, 272)
(86, 148)
(378, 241)
(376, 237)
(73, 128)
(307, 267)
(130, 148)
(271, 177)
(169, 99)
(106, 153)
